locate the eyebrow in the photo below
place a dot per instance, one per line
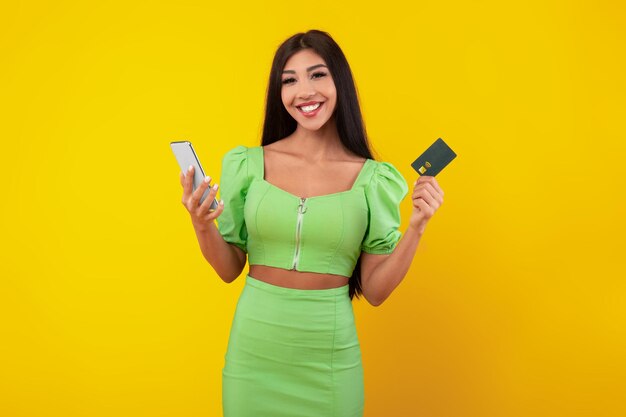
(308, 69)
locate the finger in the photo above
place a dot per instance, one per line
(213, 214)
(198, 192)
(428, 195)
(188, 183)
(426, 210)
(423, 186)
(432, 190)
(437, 192)
(436, 186)
(427, 179)
(208, 201)
(216, 213)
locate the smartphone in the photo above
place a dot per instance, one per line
(185, 155)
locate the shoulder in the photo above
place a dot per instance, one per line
(383, 170)
(235, 161)
(242, 153)
(237, 151)
(244, 162)
(387, 179)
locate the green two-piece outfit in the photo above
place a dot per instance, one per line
(294, 352)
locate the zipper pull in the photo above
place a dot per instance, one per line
(301, 208)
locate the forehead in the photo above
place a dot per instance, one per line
(302, 60)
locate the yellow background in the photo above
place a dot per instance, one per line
(515, 304)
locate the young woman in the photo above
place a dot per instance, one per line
(317, 218)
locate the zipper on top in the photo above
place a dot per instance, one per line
(301, 211)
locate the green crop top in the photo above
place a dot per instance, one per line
(323, 234)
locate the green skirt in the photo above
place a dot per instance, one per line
(292, 353)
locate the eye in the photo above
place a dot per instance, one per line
(288, 80)
(321, 74)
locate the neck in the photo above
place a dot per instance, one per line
(318, 144)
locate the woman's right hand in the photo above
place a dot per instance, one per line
(201, 214)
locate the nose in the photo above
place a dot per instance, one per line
(306, 90)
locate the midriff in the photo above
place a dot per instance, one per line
(296, 279)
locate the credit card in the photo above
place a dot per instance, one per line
(434, 159)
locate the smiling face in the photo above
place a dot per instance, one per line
(308, 90)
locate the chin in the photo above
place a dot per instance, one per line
(312, 127)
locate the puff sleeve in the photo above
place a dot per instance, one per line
(387, 188)
(234, 183)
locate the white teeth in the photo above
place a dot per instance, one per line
(308, 109)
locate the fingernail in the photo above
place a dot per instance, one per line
(207, 179)
(222, 202)
(190, 168)
(215, 186)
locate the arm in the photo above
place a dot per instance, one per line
(226, 259)
(381, 274)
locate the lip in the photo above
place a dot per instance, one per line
(314, 112)
(308, 103)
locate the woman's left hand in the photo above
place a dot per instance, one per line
(427, 198)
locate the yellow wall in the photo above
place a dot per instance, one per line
(515, 304)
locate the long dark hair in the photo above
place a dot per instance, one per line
(279, 124)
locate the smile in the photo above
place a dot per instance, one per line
(311, 110)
